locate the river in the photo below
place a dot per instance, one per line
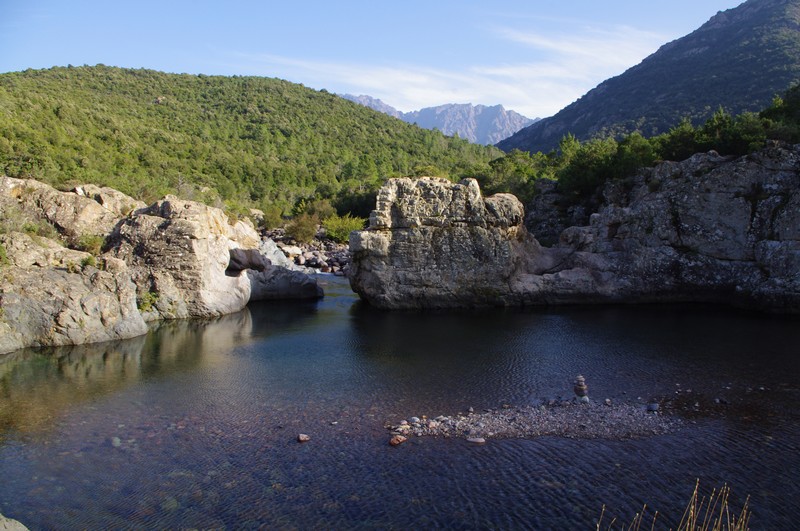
(195, 425)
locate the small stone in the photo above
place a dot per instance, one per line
(404, 423)
(433, 424)
(414, 420)
(303, 438)
(652, 407)
(607, 401)
(583, 400)
(471, 409)
(476, 440)
(397, 440)
(116, 442)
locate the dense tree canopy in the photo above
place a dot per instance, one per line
(582, 167)
(243, 140)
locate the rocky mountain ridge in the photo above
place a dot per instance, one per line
(480, 124)
(708, 229)
(740, 59)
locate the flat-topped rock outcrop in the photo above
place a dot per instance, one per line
(708, 229)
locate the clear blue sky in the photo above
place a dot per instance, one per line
(531, 56)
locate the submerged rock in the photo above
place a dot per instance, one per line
(9, 524)
(708, 229)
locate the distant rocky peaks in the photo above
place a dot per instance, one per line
(479, 124)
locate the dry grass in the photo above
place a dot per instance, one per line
(714, 514)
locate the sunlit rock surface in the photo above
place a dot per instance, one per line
(710, 229)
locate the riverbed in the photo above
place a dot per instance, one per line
(195, 425)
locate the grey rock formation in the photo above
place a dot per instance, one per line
(432, 243)
(479, 124)
(50, 295)
(72, 214)
(707, 229)
(173, 259)
(179, 253)
(9, 524)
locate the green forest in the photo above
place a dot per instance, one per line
(243, 142)
(233, 141)
(581, 168)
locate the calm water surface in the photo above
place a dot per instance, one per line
(195, 424)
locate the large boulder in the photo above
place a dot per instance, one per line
(50, 295)
(432, 243)
(710, 229)
(180, 255)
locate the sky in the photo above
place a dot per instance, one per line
(534, 56)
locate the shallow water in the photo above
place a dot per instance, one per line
(195, 424)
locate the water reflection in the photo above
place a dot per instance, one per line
(195, 424)
(37, 384)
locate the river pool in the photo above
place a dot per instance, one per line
(195, 425)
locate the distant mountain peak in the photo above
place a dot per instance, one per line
(740, 59)
(480, 124)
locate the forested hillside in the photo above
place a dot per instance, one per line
(740, 59)
(245, 140)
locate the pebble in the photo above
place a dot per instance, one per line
(476, 440)
(116, 442)
(397, 440)
(414, 420)
(303, 438)
(652, 407)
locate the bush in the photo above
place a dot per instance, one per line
(303, 228)
(89, 261)
(3, 256)
(338, 228)
(90, 243)
(322, 208)
(147, 301)
(273, 217)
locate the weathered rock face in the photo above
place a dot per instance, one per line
(73, 214)
(179, 253)
(706, 229)
(434, 243)
(50, 295)
(173, 259)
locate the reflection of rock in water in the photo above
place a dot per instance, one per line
(35, 385)
(188, 341)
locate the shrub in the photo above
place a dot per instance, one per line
(147, 301)
(322, 208)
(303, 228)
(273, 217)
(3, 256)
(338, 228)
(89, 261)
(90, 243)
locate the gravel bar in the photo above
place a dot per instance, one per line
(572, 420)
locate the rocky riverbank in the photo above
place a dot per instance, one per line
(9, 524)
(571, 419)
(317, 256)
(93, 264)
(708, 229)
